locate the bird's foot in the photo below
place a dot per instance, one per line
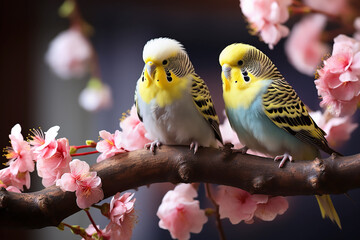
(153, 145)
(283, 159)
(242, 150)
(195, 146)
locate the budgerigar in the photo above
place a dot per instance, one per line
(267, 114)
(173, 102)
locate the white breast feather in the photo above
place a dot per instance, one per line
(179, 123)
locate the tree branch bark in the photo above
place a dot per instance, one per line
(48, 207)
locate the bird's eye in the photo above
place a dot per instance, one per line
(246, 78)
(165, 62)
(240, 62)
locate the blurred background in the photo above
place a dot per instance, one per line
(32, 95)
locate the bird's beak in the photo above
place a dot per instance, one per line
(227, 71)
(150, 68)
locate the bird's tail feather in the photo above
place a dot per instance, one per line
(327, 209)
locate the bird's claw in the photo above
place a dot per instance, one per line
(153, 145)
(242, 150)
(283, 159)
(195, 146)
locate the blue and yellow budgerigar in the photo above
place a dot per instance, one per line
(173, 102)
(267, 114)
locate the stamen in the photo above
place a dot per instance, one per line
(37, 137)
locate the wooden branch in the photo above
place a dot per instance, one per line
(176, 164)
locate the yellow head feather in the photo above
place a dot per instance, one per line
(163, 76)
(242, 76)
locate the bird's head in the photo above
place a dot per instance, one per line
(243, 65)
(166, 63)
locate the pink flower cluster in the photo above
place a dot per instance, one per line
(14, 183)
(85, 184)
(266, 18)
(239, 205)
(69, 54)
(95, 96)
(303, 47)
(52, 155)
(180, 213)
(338, 83)
(132, 137)
(20, 162)
(338, 129)
(122, 219)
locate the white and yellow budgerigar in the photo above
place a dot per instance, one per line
(173, 102)
(267, 114)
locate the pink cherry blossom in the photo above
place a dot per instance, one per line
(180, 213)
(5, 179)
(9, 188)
(12, 189)
(273, 207)
(333, 7)
(237, 204)
(96, 96)
(133, 134)
(266, 18)
(89, 192)
(335, 106)
(303, 47)
(85, 183)
(19, 180)
(120, 206)
(338, 129)
(44, 145)
(69, 54)
(338, 82)
(6, 176)
(52, 168)
(79, 171)
(91, 231)
(109, 145)
(16, 133)
(19, 154)
(122, 217)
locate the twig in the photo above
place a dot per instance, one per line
(217, 214)
(93, 222)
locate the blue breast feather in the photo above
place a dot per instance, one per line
(256, 131)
